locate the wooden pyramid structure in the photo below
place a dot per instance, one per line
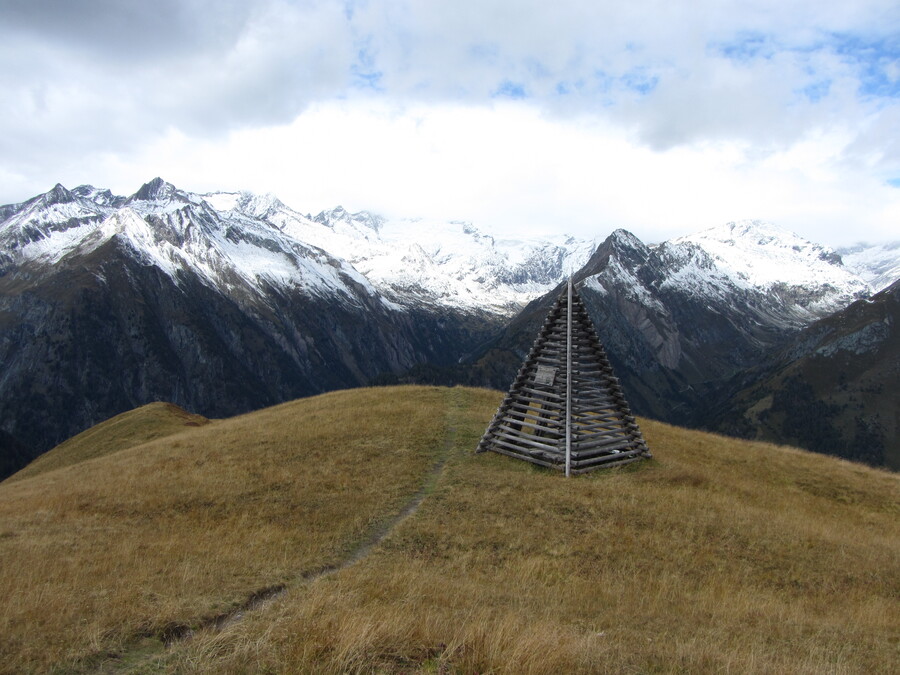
(565, 409)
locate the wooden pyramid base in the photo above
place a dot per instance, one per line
(565, 409)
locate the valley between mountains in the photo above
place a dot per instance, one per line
(223, 303)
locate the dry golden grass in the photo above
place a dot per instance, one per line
(147, 423)
(168, 533)
(717, 556)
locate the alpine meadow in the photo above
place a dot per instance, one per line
(358, 532)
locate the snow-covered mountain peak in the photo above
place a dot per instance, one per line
(246, 203)
(420, 260)
(155, 190)
(359, 221)
(623, 237)
(620, 248)
(624, 244)
(259, 206)
(226, 254)
(878, 264)
(223, 201)
(42, 217)
(751, 235)
(410, 262)
(99, 196)
(761, 254)
(57, 195)
(764, 259)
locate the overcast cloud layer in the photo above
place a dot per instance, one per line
(521, 116)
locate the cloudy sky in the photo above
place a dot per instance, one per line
(578, 116)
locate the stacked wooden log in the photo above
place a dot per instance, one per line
(574, 426)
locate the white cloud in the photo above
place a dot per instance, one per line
(659, 117)
(510, 169)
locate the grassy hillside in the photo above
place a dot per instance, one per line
(718, 555)
(147, 423)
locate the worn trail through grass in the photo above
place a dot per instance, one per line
(265, 596)
(144, 657)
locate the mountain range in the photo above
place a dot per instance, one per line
(226, 302)
(692, 323)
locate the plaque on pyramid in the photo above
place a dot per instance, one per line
(565, 409)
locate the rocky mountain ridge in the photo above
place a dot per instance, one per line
(107, 303)
(415, 262)
(224, 302)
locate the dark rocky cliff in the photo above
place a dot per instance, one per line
(102, 333)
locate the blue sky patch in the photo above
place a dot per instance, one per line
(816, 91)
(365, 74)
(569, 87)
(604, 81)
(893, 182)
(638, 80)
(350, 9)
(877, 63)
(746, 46)
(508, 89)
